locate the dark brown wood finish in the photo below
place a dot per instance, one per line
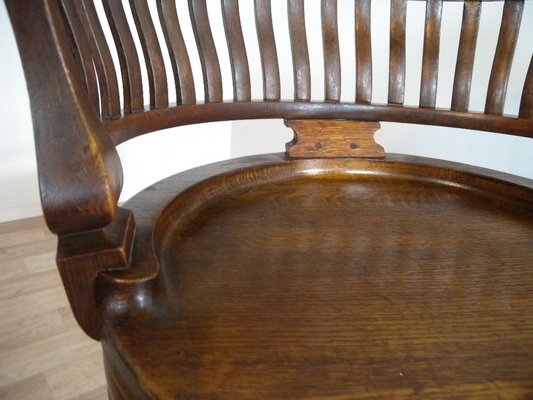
(179, 57)
(300, 55)
(503, 59)
(108, 248)
(430, 60)
(80, 176)
(397, 51)
(155, 65)
(136, 124)
(237, 51)
(323, 138)
(526, 104)
(332, 271)
(84, 51)
(207, 51)
(363, 52)
(294, 322)
(127, 54)
(103, 63)
(267, 49)
(332, 58)
(466, 55)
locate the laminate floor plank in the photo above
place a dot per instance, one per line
(44, 355)
(75, 378)
(31, 388)
(31, 283)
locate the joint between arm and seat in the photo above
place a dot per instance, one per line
(80, 258)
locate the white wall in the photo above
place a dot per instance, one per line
(19, 194)
(155, 156)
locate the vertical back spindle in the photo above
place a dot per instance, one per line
(237, 50)
(300, 54)
(267, 50)
(206, 51)
(84, 50)
(332, 58)
(155, 65)
(127, 54)
(179, 57)
(105, 69)
(503, 58)
(363, 52)
(397, 52)
(430, 59)
(465, 57)
(526, 103)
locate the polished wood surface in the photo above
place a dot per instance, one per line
(332, 57)
(363, 52)
(332, 278)
(84, 51)
(239, 61)
(318, 138)
(206, 51)
(466, 55)
(398, 17)
(292, 275)
(131, 113)
(181, 64)
(153, 56)
(127, 53)
(103, 61)
(267, 49)
(300, 54)
(430, 60)
(91, 163)
(499, 77)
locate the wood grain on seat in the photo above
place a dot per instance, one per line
(333, 271)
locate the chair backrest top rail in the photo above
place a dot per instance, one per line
(126, 128)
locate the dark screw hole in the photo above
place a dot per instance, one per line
(318, 146)
(353, 146)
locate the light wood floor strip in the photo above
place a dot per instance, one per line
(44, 355)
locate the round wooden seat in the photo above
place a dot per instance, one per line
(329, 279)
(335, 271)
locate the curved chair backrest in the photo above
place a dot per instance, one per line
(83, 105)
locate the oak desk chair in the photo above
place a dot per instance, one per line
(331, 271)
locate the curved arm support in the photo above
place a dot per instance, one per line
(80, 175)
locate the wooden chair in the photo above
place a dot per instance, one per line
(332, 271)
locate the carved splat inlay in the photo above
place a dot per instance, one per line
(333, 138)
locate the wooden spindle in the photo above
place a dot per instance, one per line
(526, 103)
(430, 59)
(105, 69)
(127, 54)
(397, 52)
(332, 58)
(237, 51)
(503, 58)
(466, 55)
(300, 53)
(84, 50)
(155, 66)
(363, 52)
(267, 50)
(179, 57)
(206, 51)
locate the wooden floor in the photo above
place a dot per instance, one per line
(43, 353)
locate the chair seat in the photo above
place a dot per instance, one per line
(330, 279)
